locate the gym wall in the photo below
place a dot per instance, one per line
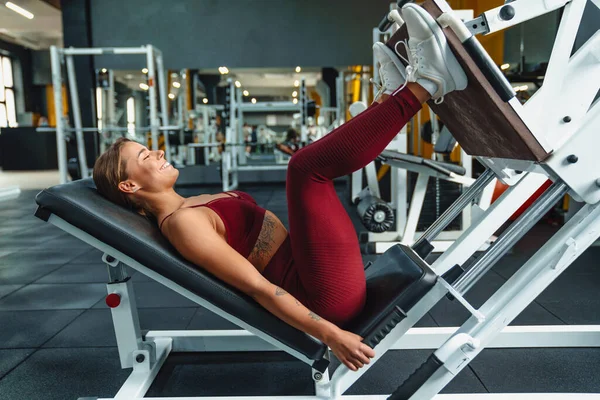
(258, 33)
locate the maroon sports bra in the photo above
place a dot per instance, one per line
(242, 217)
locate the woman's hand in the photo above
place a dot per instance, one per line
(350, 350)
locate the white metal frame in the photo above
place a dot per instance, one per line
(146, 355)
(59, 56)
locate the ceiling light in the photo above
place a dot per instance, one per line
(238, 84)
(296, 83)
(253, 100)
(19, 10)
(171, 96)
(294, 94)
(504, 67)
(143, 86)
(298, 70)
(103, 70)
(144, 70)
(205, 100)
(223, 70)
(176, 85)
(246, 93)
(295, 101)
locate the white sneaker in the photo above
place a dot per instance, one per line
(392, 73)
(431, 62)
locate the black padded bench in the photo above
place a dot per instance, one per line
(395, 282)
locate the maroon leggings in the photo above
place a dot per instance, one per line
(326, 254)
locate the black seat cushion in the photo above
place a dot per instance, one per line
(438, 166)
(81, 205)
(397, 280)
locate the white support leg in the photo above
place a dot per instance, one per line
(414, 212)
(144, 371)
(57, 83)
(356, 185)
(76, 110)
(154, 121)
(372, 183)
(126, 322)
(162, 95)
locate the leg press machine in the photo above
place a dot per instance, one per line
(551, 136)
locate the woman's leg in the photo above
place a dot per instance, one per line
(324, 242)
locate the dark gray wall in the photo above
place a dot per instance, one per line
(238, 33)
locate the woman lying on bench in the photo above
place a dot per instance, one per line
(313, 277)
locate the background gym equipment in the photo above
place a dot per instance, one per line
(157, 98)
(234, 160)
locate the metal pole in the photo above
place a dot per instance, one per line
(207, 135)
(511, 235)
(239, 123)
(181, 121)
(110, 101)
(77, 118)
(467, 163)
(61, 146)
(304, 111)
(162, 87)
(232, 129)
(463, 201)
(154, 122)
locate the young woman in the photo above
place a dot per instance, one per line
(312, 277)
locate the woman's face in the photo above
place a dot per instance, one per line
(146, 169)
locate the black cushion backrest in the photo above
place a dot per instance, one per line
(79, 204)
(396, 281)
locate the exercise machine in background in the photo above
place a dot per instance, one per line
(421, 187)
(157, 97)
(234, 158)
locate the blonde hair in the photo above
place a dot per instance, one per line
(110, 169)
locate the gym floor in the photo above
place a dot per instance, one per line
(57, 341)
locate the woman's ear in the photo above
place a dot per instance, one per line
(128, 187)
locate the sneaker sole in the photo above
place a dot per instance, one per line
(459, 77)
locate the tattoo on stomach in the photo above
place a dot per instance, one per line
(264, 244)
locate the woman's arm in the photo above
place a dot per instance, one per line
(195, 237)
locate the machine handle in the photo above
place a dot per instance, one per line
(386, 23)
(417, 379)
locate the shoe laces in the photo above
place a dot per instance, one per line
(380, 88)
(410, 70)
(413, 65)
